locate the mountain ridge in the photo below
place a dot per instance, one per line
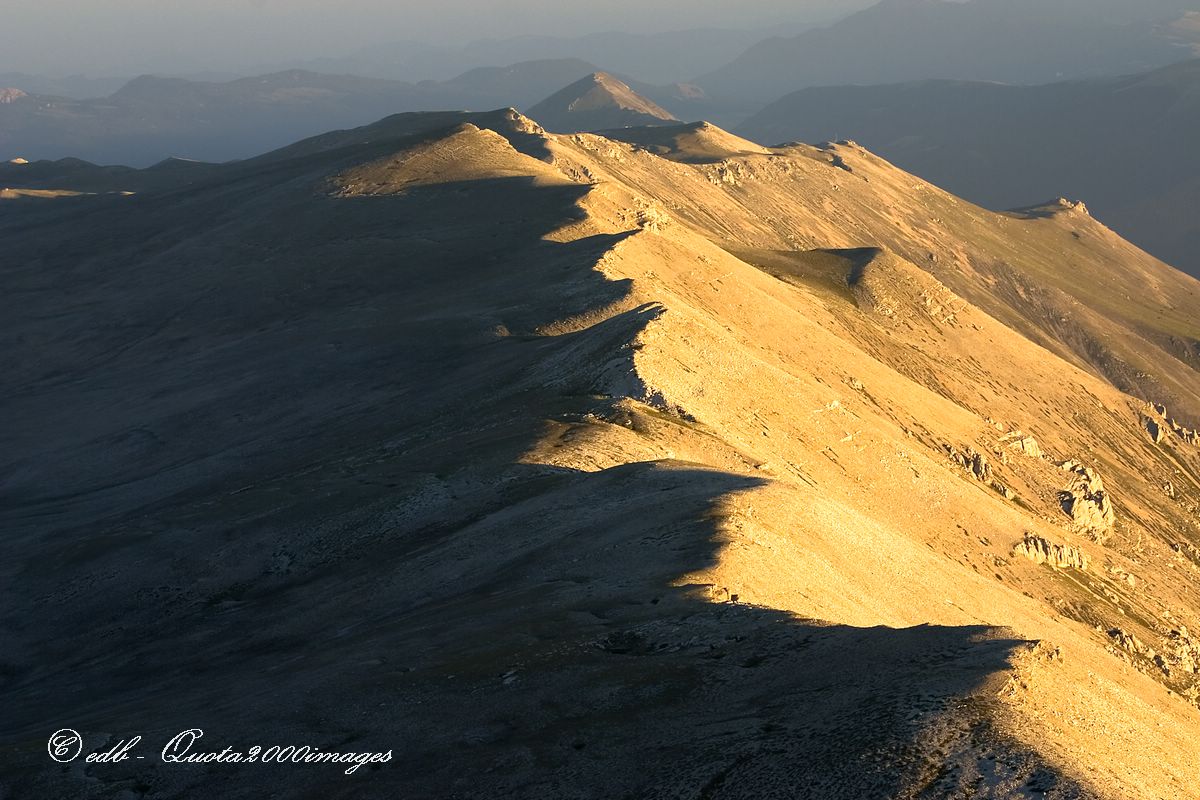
(779, 435)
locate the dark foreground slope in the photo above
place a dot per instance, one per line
(546, 464)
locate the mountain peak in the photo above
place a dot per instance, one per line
(598, 101)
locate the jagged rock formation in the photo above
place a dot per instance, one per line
(1058, 556)
(11, 95)
(973, 462)
(1184, 653)
(1086, 501)
(1132, 645)
(1178, 658)
(1077, 206)
(1158, 433)
(1159, 423)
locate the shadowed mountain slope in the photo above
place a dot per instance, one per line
(533, 457)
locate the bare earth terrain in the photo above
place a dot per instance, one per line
(659, 466)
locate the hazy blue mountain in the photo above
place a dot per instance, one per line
(669, 57)
(1015, 41)
(152, 118)
(1126, 146)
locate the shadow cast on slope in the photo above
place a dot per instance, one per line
(284, 434)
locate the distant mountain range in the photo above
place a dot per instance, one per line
(77, 86)
(670, 57)
(152, 118)
(1126, 146)
(1015, 41)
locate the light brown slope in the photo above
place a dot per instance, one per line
(1062, 279)
(864, 522)
(547, 429)
(947, 367)
(696, 143)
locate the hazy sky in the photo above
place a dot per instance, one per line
(106, 37)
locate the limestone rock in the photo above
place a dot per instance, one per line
(1180, 652)
(1184, 653)
(1187, 434)
(1043, 551)
(1086, 501)
(1072, 205)
(1159, 424)
(1026, 445)
(980, 467)
(1131, 644)
(974, 462)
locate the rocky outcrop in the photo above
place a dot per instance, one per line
(1159, 425)
(980, 468)
(1086, 501)
(1026, 445)
(11, 95)
(1071, 205)
(1183, 652)
(1131, 644)
(1043, 551)
(1180, 653)
(973, 461)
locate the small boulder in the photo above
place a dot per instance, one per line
(1026, 445)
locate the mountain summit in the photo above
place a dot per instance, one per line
(598, 102)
